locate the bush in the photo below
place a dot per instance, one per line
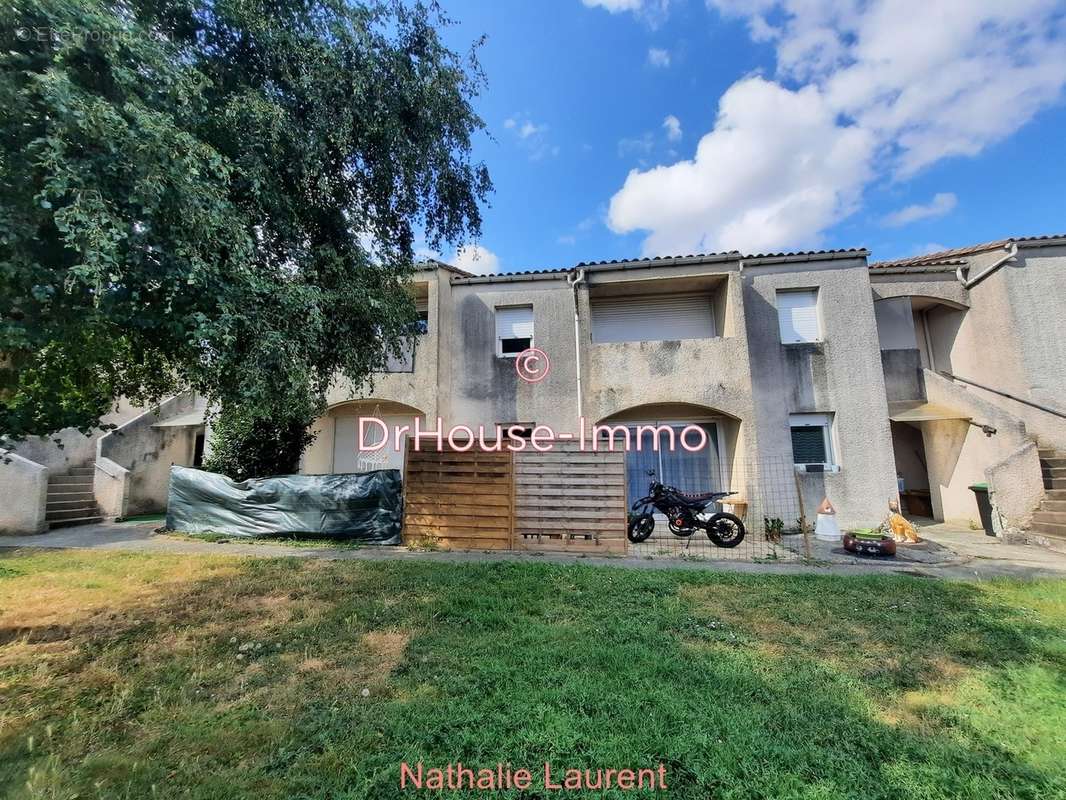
(251, 444)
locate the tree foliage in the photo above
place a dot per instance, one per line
(219, 194)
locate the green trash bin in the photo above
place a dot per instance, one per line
(984, 507)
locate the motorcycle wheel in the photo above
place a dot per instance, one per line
(640, 528)
(725, 530)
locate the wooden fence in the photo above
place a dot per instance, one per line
(459, 500)
(562, 500)
(570, 500)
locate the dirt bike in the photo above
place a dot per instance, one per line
(684, 515)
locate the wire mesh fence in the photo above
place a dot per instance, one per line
(767, 499)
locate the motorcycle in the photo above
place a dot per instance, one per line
(684, 515)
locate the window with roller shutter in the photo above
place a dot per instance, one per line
(797, 316)
(514, 330)
(652, 319)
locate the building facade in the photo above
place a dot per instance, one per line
(818, 359)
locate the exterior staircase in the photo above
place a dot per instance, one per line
(1049, 521)
(70, 498)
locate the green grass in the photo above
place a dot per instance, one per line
(122, 676)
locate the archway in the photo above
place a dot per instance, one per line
(339, 448)
(654, 444)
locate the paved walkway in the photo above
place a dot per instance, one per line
(959, 554)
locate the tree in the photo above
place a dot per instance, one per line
(220, 195)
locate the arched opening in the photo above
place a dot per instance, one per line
(343, 445)
(654, 437)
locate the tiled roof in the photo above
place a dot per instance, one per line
(857, 251)
(952, 257)
(533, 271)
(652, 259)
(432, 263)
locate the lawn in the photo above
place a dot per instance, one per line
(129, 676)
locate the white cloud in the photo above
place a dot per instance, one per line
(652, 12)
(865, 90)
(658, 57)
(531, 136)
(672, 125)
(641, 145)
(749, 187)
(476, 259)
(615, 6)
(567, 239)
(941, 204)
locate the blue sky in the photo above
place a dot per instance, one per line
(622, 128)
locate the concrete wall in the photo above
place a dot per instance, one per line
(842, 376)
(23, 492)
(70, 447)
(1013, 337)
(904, 376)
(1016, 487)
(148, 452)
(710, 373)
(959, 454)
(485, 388)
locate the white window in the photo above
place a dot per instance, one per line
(514, 330)
(653, 319)
(797, 315)
(812, 438)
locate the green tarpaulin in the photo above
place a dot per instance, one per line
(365, 507)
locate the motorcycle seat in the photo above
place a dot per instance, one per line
(707, 496)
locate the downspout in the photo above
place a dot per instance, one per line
(968, 282)
(574, 279)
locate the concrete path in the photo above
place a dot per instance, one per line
(976, 556)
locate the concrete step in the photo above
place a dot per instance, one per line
(1055, 494)
(67, 492)
(1055, 529)
(1055, 483)
(78, 512)
(62, 503)
(81, 471)
(70, 480)
(69, 523)
(1054, 517)
(1049, 452)
(1054, 506)
(1052, 463)
(1054, 472)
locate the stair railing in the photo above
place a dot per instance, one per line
(1001, 393)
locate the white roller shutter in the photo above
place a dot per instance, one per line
(515, 322)
(653, 319)
(797, 316)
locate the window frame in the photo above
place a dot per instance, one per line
(817, 292)
(499, 339)
(823, 420)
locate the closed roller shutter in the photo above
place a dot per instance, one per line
(514, 322)
(652, 319)
(797, 313)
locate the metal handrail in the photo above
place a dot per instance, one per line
(1008, 395)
